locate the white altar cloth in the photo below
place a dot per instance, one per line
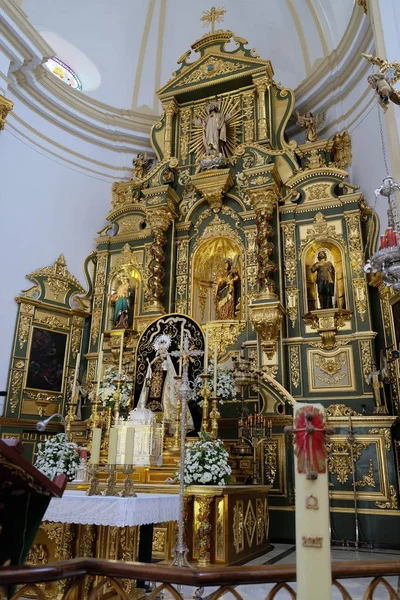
(76, 507)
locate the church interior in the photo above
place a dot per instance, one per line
(200, 354)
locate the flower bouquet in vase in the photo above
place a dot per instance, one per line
(51, 461)
(206, 462)
(226, 386)
(109, 387)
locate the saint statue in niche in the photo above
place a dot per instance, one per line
(158, 393)
(325, 280)
(227, 292)
(122, 299)
(214, 128)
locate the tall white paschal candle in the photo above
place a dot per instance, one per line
(215, 368)
(313, 548)
(112, 446)
(96, 443)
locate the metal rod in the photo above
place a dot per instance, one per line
(350, 441)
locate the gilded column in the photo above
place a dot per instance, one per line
(263, 202)
(170, 108)
(262, 85)
(159, 221)
(204, 529)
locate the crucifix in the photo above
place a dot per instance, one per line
(214, 15)
(185, 353)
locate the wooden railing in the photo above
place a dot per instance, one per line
(91, 578)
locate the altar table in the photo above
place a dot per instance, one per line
(107, 527)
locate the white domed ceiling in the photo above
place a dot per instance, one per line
(135, 44)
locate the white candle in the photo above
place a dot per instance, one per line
(112, 446)
(206, 351)
(130, 432)
(99, 364)
(96, 443)
(181, 349)
(78, 362)
(215, 368)
(121, 352)
(313, 548)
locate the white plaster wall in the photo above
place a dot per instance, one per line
(50, 209)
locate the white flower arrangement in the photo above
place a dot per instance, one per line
(206, 462)
(109, 387)
(49, 453)
(226, 386)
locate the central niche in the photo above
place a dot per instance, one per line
(209, 265)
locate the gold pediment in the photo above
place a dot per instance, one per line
(215, 64)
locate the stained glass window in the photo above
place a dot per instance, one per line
(63, 72)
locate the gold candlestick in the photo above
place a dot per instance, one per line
(94, 420)
(205, 393)
(104, 447)
(128, 491)
(111, 489)
(94, 483)
(117, 398)
(69, 418)
(214, 416)
(176, 445)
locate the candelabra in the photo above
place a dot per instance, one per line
(386, 260)
(94, 483)
(255, 430)
(128, 491)
(111, 486)
(70, 417)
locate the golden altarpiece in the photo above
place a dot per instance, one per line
(230, 197)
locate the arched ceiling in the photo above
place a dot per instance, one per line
(135, 44)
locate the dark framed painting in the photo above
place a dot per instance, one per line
(46, 360)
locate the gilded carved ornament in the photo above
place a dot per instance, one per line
(342, 151)
(341, 410)
(320, 230)
(292, 300)
(367, 479)
(360, 296)
(58, 275)
(238, 526)
(213, 186)
(333, 368)
(353, 221)
(340, 462)
(6, 106)
(392, 503)
(366, 360)
(224, 334)
(294, 360)
(266, 320)
(289, 249)
(327, 322)
(250, 523)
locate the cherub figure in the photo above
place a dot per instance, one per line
(141, 165)
(311, 124)
(385, 92)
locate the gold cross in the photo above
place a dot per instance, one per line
(214, 15)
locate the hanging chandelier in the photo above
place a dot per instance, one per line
(386, 260)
